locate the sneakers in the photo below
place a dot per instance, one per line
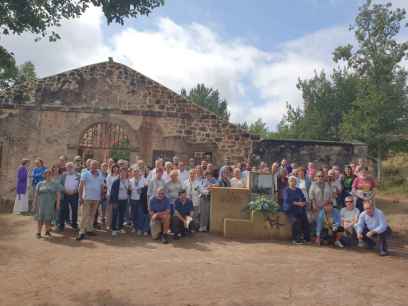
(339, 244)
(164, 239)
(114, 233)
(122, 231)
(298, 242)
(145, 234)
(202, 229)
(139, 233)
(361, 244)
(383, 253)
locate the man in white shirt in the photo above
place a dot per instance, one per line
(372, 227)
(70, 181)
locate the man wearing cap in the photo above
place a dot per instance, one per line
(159, 211)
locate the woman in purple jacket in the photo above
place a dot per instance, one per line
(21, 202)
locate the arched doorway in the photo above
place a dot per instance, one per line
(104, 140)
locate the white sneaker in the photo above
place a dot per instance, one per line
(145, 234)
(361, 244)
(339, 244)
(114, 233)
(139, 233)
(202, 229)
(122, 231)
(133, 230)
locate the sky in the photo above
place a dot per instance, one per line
(253, 52)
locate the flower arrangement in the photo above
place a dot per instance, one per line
(263, 204)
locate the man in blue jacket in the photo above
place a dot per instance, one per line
(328, 226)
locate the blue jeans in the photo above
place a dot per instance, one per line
(63, 212)
(118, 214)
(140, 219)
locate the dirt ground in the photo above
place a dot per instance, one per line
(202, 270)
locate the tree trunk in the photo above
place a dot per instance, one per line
(379, 164)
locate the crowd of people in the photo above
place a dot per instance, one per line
(329, 205)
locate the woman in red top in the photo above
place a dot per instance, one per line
(363, 188)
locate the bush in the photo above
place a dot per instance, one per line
(395, 173)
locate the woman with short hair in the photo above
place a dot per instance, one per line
(363, 188)
(46, 202)
(21, 202)
(37, 174)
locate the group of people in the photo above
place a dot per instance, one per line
(329, 204)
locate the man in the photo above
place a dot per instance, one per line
(70, 182)
(78, 163)
(90, 193)
(155, 183)
(349, 217)
(372, 228)
(158, 163)
(61, 164)
(183, 173)
(191, 164)
(159, 211)
(183, 215)
(328, 227)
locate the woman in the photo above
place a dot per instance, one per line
(119, 197)
(205, 200)
(349, 218)
(336, 188)
(294, 204)
(21, 202)
(319, 193)
(282, 184)
(140, 219)
(38, 172)
(348, 180)
(113, 176)
(47, 194)
(236, 181)
(303, 182)
(328, 226)
(192, 185)
(363, 188)
(173, 187)
(224, 180)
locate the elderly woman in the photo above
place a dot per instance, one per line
(205, 200)
(236, 181)
(192, 186)
(336, 187)
(140, 219)
(303, 182)
(294, 204)
(21, 202)
(282, 184)
(168, 168)
(225, 174)
(172, 188)
(363, 188)
(46, 201)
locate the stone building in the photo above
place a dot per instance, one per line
(103, 107)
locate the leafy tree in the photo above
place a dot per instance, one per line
(259, 128)
(38, 16)
(26, 72)
(209, 98)
(379, 113)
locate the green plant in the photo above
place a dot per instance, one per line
(263, 204)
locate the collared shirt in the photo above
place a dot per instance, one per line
(185, 208)
(153, 186)
(183, 175)
(156, 205)
(172, 190)
(92, 185)
(123, 189)
(71, 183)
(376, 223)
(136, 186)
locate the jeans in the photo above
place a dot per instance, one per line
(300, 225)
(140, 219)
(63, 213)
(118, 214)
(380, 238)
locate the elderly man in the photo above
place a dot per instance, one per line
(90, 193)
(70, 182)
(159, 211)
(155, 183)
(372, 227)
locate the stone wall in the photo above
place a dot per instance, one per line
(303, 151)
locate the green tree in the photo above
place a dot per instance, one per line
(26, 72)
(259, 128)
(209, 98)
(38, 16)
(379, 113)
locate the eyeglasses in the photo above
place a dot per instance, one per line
(349, 201)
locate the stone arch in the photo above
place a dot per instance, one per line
(86, 124)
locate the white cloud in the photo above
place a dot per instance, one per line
(256, 83)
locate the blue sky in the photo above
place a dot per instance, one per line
(252, 51)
